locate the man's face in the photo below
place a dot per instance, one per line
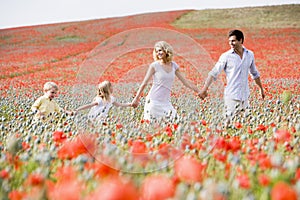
(234, 43)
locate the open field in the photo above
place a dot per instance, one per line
(193, 157)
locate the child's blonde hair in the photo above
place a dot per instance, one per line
(166, 47)
(50, 85)
(104, 90)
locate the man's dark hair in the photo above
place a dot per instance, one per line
(238, 34)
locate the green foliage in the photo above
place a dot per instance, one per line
(248, 17)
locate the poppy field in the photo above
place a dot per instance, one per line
(126, 157)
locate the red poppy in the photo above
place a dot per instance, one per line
(221, 143)
(261, 127)
(169, 131)
(115, 188)
(66, 189)
(297, 174)
(157, 187)
(189, 169)
(282, 135)
(16, 195)
(59, 136)
(244, 181)
(283, 191)
(82, 144)
(101, 169)
(220, 156)
(235, 144)
(249, 130)
(138, 146)
(4, 174)
(35, 179)
(119, 126)
(264, 180)
(238, 125)
(264, 161)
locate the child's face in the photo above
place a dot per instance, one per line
(51, 94)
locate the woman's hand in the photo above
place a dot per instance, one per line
(135, 103)
(202, 94)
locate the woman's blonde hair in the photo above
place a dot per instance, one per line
(50, 85)
(166, 47)
(104, 90)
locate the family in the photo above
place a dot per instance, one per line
(237, 63)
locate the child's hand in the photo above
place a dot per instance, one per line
(40, 115)
(72, 113)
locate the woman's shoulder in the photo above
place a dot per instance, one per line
(154, 63)
(175, 65)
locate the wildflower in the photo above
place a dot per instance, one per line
(203, 122)
(82, 144)
(59, 136)
(16, 195)
(283, 191)
(158, 187)
(4, 174)
(261, 127)
(100, 169)
(264, 180)
(235, 144)
(282, 135)
(119, 126)
(249, 130)
(238, 125)
(138, 146)
(244, 181)
(189, 169)
(35, 179)
(115, 188)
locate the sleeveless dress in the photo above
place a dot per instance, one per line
(100, 111)
(158, 101)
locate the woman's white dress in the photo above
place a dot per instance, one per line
(158, 101)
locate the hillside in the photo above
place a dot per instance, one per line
(283, 16)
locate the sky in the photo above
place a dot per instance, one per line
(16, 13)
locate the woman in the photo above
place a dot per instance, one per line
(163, 70)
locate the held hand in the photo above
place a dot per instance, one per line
(202, 94)
(134, 103)
(262, 94)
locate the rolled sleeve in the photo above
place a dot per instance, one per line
(253, 70)
(219, 67)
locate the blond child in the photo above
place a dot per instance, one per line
(45, 105)
(102, 103)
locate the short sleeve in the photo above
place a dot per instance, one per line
(57, 108)
(175, 65)
(37, 103)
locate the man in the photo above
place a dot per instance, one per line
(237, 63)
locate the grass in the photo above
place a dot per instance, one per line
(70, 38)
(282, 16)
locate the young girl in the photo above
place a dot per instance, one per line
(102, 103)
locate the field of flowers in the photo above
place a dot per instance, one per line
(127, 157)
